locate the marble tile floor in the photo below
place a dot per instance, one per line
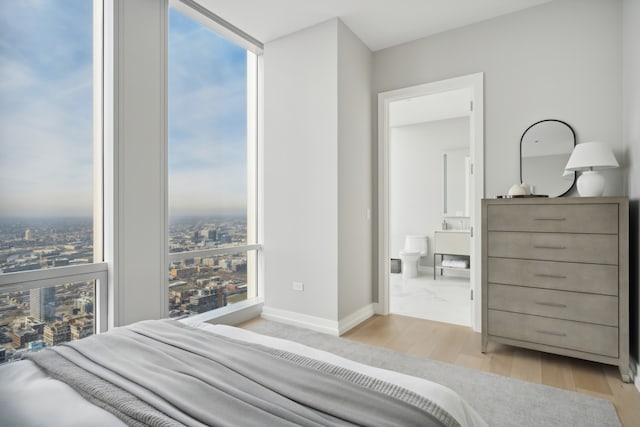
(445, 299)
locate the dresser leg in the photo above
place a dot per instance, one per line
(483, 347)
(625, 374)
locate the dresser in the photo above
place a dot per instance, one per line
(555, 276)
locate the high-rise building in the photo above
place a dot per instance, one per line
(43, 303)
(208, 299)
(81, 328)
(27, 234)
(241, 267)
(83, 305)
(56, 333)
(21, 337)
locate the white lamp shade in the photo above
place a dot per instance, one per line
(591, 156)
(568, 174)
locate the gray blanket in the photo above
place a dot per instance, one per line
(164, 373)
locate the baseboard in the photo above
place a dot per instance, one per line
(318, 324)
(637, 376)
(356, 318)
(377, 309)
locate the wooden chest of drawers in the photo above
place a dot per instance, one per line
(555, 276)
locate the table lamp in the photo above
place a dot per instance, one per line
(590, 158)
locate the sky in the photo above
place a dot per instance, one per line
(46, 118)
(207, 120)
(45, 107)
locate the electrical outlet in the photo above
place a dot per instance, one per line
(298, 286)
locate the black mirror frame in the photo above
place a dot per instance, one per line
(574, 144)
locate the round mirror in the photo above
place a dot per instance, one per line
(545, 148)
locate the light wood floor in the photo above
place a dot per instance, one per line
(459, 345)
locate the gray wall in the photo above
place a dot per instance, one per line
(301, 171)
(355, 266)
(631, 128)
(317, 175)
(559, 60)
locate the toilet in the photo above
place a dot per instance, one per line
(415, 247)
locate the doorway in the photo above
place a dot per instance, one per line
(450, 113)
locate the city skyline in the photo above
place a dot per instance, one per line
(37, 317)
(46, 90)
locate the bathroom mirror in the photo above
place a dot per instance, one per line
(455, 182)
(545, 148)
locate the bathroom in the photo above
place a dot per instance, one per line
(429, 195)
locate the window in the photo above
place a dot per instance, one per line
(213, 208)
(50, 277)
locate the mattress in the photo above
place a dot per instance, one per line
(37, 399)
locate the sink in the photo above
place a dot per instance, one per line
(452, 242)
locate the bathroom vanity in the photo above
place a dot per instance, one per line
(451, 242)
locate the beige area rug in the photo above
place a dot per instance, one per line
(501, 401)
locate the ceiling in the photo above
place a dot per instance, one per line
(378, 23)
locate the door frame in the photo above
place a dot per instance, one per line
(474, 82)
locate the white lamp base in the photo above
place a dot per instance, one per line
(591, 184)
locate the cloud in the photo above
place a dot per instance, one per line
(46, 118)
(207, 121)
(46, 108)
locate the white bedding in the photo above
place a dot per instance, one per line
(31, 398)
(36, 399)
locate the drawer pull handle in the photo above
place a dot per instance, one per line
(551, 304)
(549, 247)
(552, 276)
(550, 219)
(557, 334)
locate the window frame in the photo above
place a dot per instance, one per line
(97, 271)
(49, 277)
(255, 286)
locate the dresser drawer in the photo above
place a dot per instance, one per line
(601, 218)
(591, 308)
(589, 248)
(587, 337)
(566, 276)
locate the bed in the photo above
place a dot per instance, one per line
(171, 373)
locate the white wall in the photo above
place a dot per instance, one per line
(416, 179)
(355, 265)
(559, 60)
(631, 129)
(317, 175)
(301, 171)
(135, 160)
